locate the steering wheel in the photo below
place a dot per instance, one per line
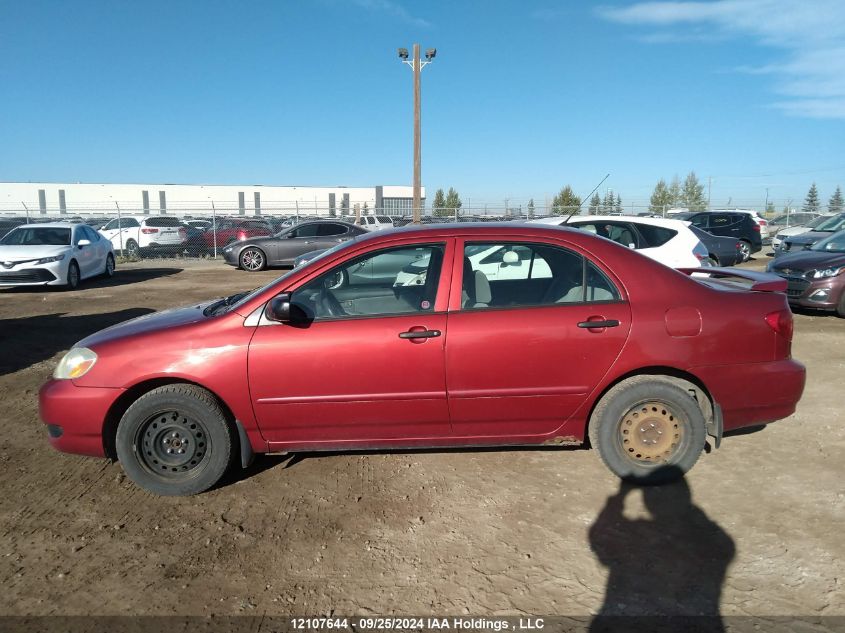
(330, 305)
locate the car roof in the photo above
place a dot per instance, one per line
(50, 225)
(664, 222)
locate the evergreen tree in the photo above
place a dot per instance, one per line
(835, 204)
(453, 202)
(618, 205)
(439, 205)
(595, 204)
(661, 198)
(531, 208)
(566, 202)
(365, 209)
(607, 202)
(675, 191)
(692, 194)
(811, 204)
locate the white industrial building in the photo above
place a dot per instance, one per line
(57, 199)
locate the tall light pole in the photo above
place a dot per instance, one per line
(417, 65)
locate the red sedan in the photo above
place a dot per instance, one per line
(441, 336)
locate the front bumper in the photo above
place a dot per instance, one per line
(75, 416)
(29, 274)
(231, 257)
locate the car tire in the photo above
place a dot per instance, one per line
(840, 307)
(72, 281)
(714, 261)
(252, 259)
(744, 251)
(132, 250)
(175, 441)
(648, 430)
(109, 271)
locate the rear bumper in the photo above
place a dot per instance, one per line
(754, 393)
(75, 416)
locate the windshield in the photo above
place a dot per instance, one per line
(833, 244)
(37, 236)
(832, 224)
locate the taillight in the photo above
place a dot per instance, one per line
(757, 227)
(781, 322)
(241, 235)
(183, 233)
(149, 231)
(763, 222)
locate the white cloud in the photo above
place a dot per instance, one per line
(392, 8)
(811, 77)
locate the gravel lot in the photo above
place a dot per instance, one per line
(484, 532)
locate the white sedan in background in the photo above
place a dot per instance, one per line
(53, 254)
(670, 242)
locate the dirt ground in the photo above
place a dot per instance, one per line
(455, 532)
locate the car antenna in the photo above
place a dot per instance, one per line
(583, 199)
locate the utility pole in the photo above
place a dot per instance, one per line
(417, 65)
(709, 182)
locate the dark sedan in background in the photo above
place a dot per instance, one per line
(815, 277)
(283, 248)
(723, 251)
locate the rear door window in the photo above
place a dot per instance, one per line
(331, 229)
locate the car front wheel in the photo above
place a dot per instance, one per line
(648, 430)
(253, 259)
(175, 441)
(72, 282)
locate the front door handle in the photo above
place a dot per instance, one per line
(415, 334)
(598, 324)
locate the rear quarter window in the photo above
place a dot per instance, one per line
(654, 236)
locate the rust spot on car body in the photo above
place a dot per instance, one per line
(562, 440)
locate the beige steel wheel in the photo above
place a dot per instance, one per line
(648, 429)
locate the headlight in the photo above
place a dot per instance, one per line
(827, 272)
(47, 260)
(75, 364)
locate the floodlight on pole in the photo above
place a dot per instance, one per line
(417, 65)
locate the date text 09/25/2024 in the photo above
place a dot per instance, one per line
(417, 624)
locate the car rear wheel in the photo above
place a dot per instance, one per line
(72, 276)
(840, 308)
(714, 261)
(132, 250)
(744, 251)
(253, 259)
(175, 441)
(648, 430)
(109, 271)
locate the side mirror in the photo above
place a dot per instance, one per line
(82, 243)
(278, 308)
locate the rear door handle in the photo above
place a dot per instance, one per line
(597, 324)
(420, 334)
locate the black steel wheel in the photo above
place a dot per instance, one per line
(253, 259)
(175, 440)
(72, 275)
(648, 430)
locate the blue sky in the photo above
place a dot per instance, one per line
(523, 97)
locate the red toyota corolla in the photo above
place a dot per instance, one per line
(451, 335)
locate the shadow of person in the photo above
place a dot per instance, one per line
(672, 564)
